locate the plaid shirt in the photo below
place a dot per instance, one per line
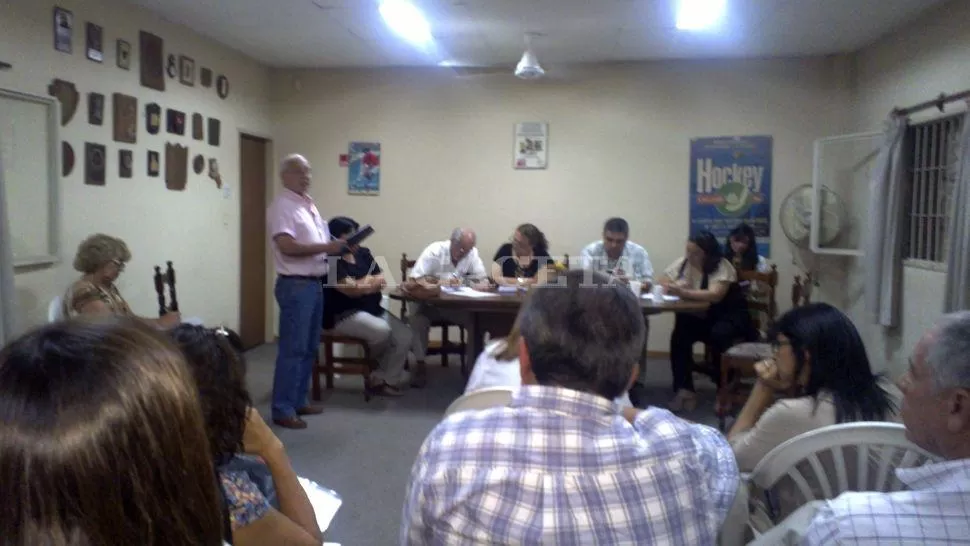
(634, 260)
(936, 510)
(559, 466)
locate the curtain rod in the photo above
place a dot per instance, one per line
(938, 103)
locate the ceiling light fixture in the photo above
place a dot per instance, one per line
(406, 20)
(700, 14)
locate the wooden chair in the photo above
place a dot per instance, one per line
(445, 346)
(741, 358)
(344, 365)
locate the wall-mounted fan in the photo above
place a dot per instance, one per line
(796, 216)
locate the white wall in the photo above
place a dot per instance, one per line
(198, 229)
(619, 137)
(917, 63)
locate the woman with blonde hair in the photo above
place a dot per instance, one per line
(101, 259)
(102, 441)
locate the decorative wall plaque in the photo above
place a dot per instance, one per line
(222, 87)
(171, 66)
(186, 70)
(63, 30)
(125, 163)
(67, 95)
(214, 127)
(125, 118)
(153, 118)
(94, 164)
(94, 49)
(214, 172)
(95, 108)
(198, 127)
(176, 166)
(205, 77)
(175, 122)
(154, 165)
(152, 61)
(67, 159)
(198, 164)
(123, 55)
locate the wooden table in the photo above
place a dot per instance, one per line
(496, 314)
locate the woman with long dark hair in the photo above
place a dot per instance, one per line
(234, 427)
(521, 260)
(822, 375)
(741, 250)
(102, 440)
(703, 275)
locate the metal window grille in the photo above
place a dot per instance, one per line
(933, 163)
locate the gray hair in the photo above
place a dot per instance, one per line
(585, 334)
(456, 235)
(289, 160)
(949, 353)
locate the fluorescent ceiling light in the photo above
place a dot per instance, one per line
(406, 20)
(700, 14)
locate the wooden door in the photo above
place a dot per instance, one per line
(253, 243)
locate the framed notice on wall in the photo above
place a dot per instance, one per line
(531, 145)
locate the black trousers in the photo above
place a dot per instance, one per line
(719, 333)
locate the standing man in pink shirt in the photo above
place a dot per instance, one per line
(301, 242)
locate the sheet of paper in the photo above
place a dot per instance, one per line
(325, 501)
(468, 292)
(649, 296)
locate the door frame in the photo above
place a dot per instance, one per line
(270, 303)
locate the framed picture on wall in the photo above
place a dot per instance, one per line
(124, 55)
(186, 70)
(63, 30)
(95, 43)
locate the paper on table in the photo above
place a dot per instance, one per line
(468, 292)
(667, 298)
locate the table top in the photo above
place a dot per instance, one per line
(508, 302)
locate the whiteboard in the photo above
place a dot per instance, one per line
(29, 173)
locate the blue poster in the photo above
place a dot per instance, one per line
(364, 168)
(730, 183)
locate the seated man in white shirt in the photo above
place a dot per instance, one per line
(624, 261)
(443, 263)
(935, 508)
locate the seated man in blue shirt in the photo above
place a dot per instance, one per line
(562, 464)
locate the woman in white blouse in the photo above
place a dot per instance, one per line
(498, 366)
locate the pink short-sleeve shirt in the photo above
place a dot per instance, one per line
(297, 216)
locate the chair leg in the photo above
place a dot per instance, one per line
(315, 389)
(445, 346)
(328, 359)
(463, 345)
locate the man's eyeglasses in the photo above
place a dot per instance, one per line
(119, 264)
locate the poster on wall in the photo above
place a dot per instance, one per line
(364, 168)
(730, 183)
(531, 145)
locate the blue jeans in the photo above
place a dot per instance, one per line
(301, 320)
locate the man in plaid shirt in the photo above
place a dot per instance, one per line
(562, 464)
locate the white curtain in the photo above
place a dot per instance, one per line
(883, 250)
(956, 297)
(7, 295)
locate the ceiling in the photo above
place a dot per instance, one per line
(344, 33)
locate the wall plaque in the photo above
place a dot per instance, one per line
(175, 122)
(198, 127)
(66, 93)
(214, 126)
(154, 165)
(67, 158)
(125, 163)
(95, 108)
(94, 164)
(153, 117)
(152, 61)
(176, 166)
(125, 118)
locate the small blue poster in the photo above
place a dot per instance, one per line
(730, 183)
(364, 168)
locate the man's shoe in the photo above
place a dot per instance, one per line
(294, 423)
(310, 410)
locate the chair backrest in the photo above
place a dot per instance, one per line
(879, 448)
(762, 302)
(406, 266)
(55, 310)
(481, 399)
(801, 291)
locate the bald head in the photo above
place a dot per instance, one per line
(462, 242)
(295, 173)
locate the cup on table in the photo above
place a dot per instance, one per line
(636, 286)
(658, 293)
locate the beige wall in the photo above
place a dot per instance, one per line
(618, 145)
(926, 58)
(198, 228)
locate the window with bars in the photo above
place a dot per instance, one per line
(933, 163)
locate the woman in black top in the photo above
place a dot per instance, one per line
(352, 307)
(523, 259)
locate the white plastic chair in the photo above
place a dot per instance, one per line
(879, 449)
(489, 397)
(54, 311)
